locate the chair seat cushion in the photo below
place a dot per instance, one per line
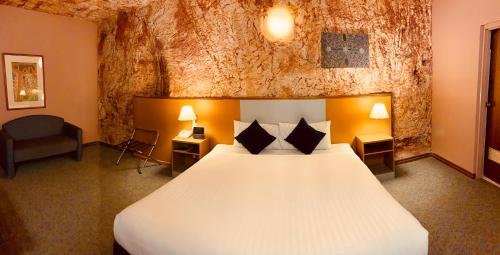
(43, 147)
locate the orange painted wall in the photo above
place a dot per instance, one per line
(456, 48)
(349, 116)
(69, 47)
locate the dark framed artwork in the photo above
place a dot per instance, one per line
(344, 50)
(24, 81)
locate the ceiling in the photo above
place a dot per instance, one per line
(93, 10)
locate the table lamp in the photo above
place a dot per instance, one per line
(379, 112)
(187, 113)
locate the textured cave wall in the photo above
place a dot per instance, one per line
(93, 10)
(215, 48)
(129, 65)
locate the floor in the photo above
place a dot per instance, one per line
(60, 206)
(461, 214)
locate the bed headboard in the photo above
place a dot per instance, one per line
(282, 110)
(349, 116)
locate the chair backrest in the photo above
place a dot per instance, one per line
(34, 126)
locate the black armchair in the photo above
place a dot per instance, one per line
(37, 136)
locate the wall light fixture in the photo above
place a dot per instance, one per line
(278, 24)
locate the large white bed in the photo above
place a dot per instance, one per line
(277, 202)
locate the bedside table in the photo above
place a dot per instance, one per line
(187, 151)
(377, 152)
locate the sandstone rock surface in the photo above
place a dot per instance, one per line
(216, 49)
(94, 10)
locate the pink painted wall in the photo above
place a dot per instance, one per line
(456, 48)
(69, 47)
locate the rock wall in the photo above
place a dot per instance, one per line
(216, 48)
(129, 64)
(93, 10)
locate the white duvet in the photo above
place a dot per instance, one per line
(235, 203)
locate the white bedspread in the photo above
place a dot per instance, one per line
(279, 203)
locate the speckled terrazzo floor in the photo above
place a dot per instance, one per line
(461, 214)
(60, 206)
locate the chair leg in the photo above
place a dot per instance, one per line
(121, 155)
(11, 172)
(78, 155)
(143, 166)
(146, 160)
(125, 148)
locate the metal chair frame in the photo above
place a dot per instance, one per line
(140, 148)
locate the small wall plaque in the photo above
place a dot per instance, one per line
(344, 50)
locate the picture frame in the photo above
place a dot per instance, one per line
(24, 78)
(339, 50)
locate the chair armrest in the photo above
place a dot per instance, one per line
(76, 133)
(6, 151)
(73, 131)
(4, 136)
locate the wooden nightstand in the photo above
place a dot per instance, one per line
(187, 151)
(377, 151)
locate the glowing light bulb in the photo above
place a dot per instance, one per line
(279, 24)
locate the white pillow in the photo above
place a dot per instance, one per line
(272, 129)
(286, 128)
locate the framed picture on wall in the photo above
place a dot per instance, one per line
(24, 81)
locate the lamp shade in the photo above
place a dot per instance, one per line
(187, 113)
(379, 111)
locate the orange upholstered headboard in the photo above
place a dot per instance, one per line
(349, 116)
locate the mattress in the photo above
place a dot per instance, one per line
(277, 202)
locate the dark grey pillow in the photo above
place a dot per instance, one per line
(304, 137)
(255, 138)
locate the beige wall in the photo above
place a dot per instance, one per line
(69, 47)
(456, 39)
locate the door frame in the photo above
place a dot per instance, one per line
(482, 96)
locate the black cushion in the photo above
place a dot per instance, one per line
(255, 138)
(43, 147)
(304, 137)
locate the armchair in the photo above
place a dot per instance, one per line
(37, 136)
